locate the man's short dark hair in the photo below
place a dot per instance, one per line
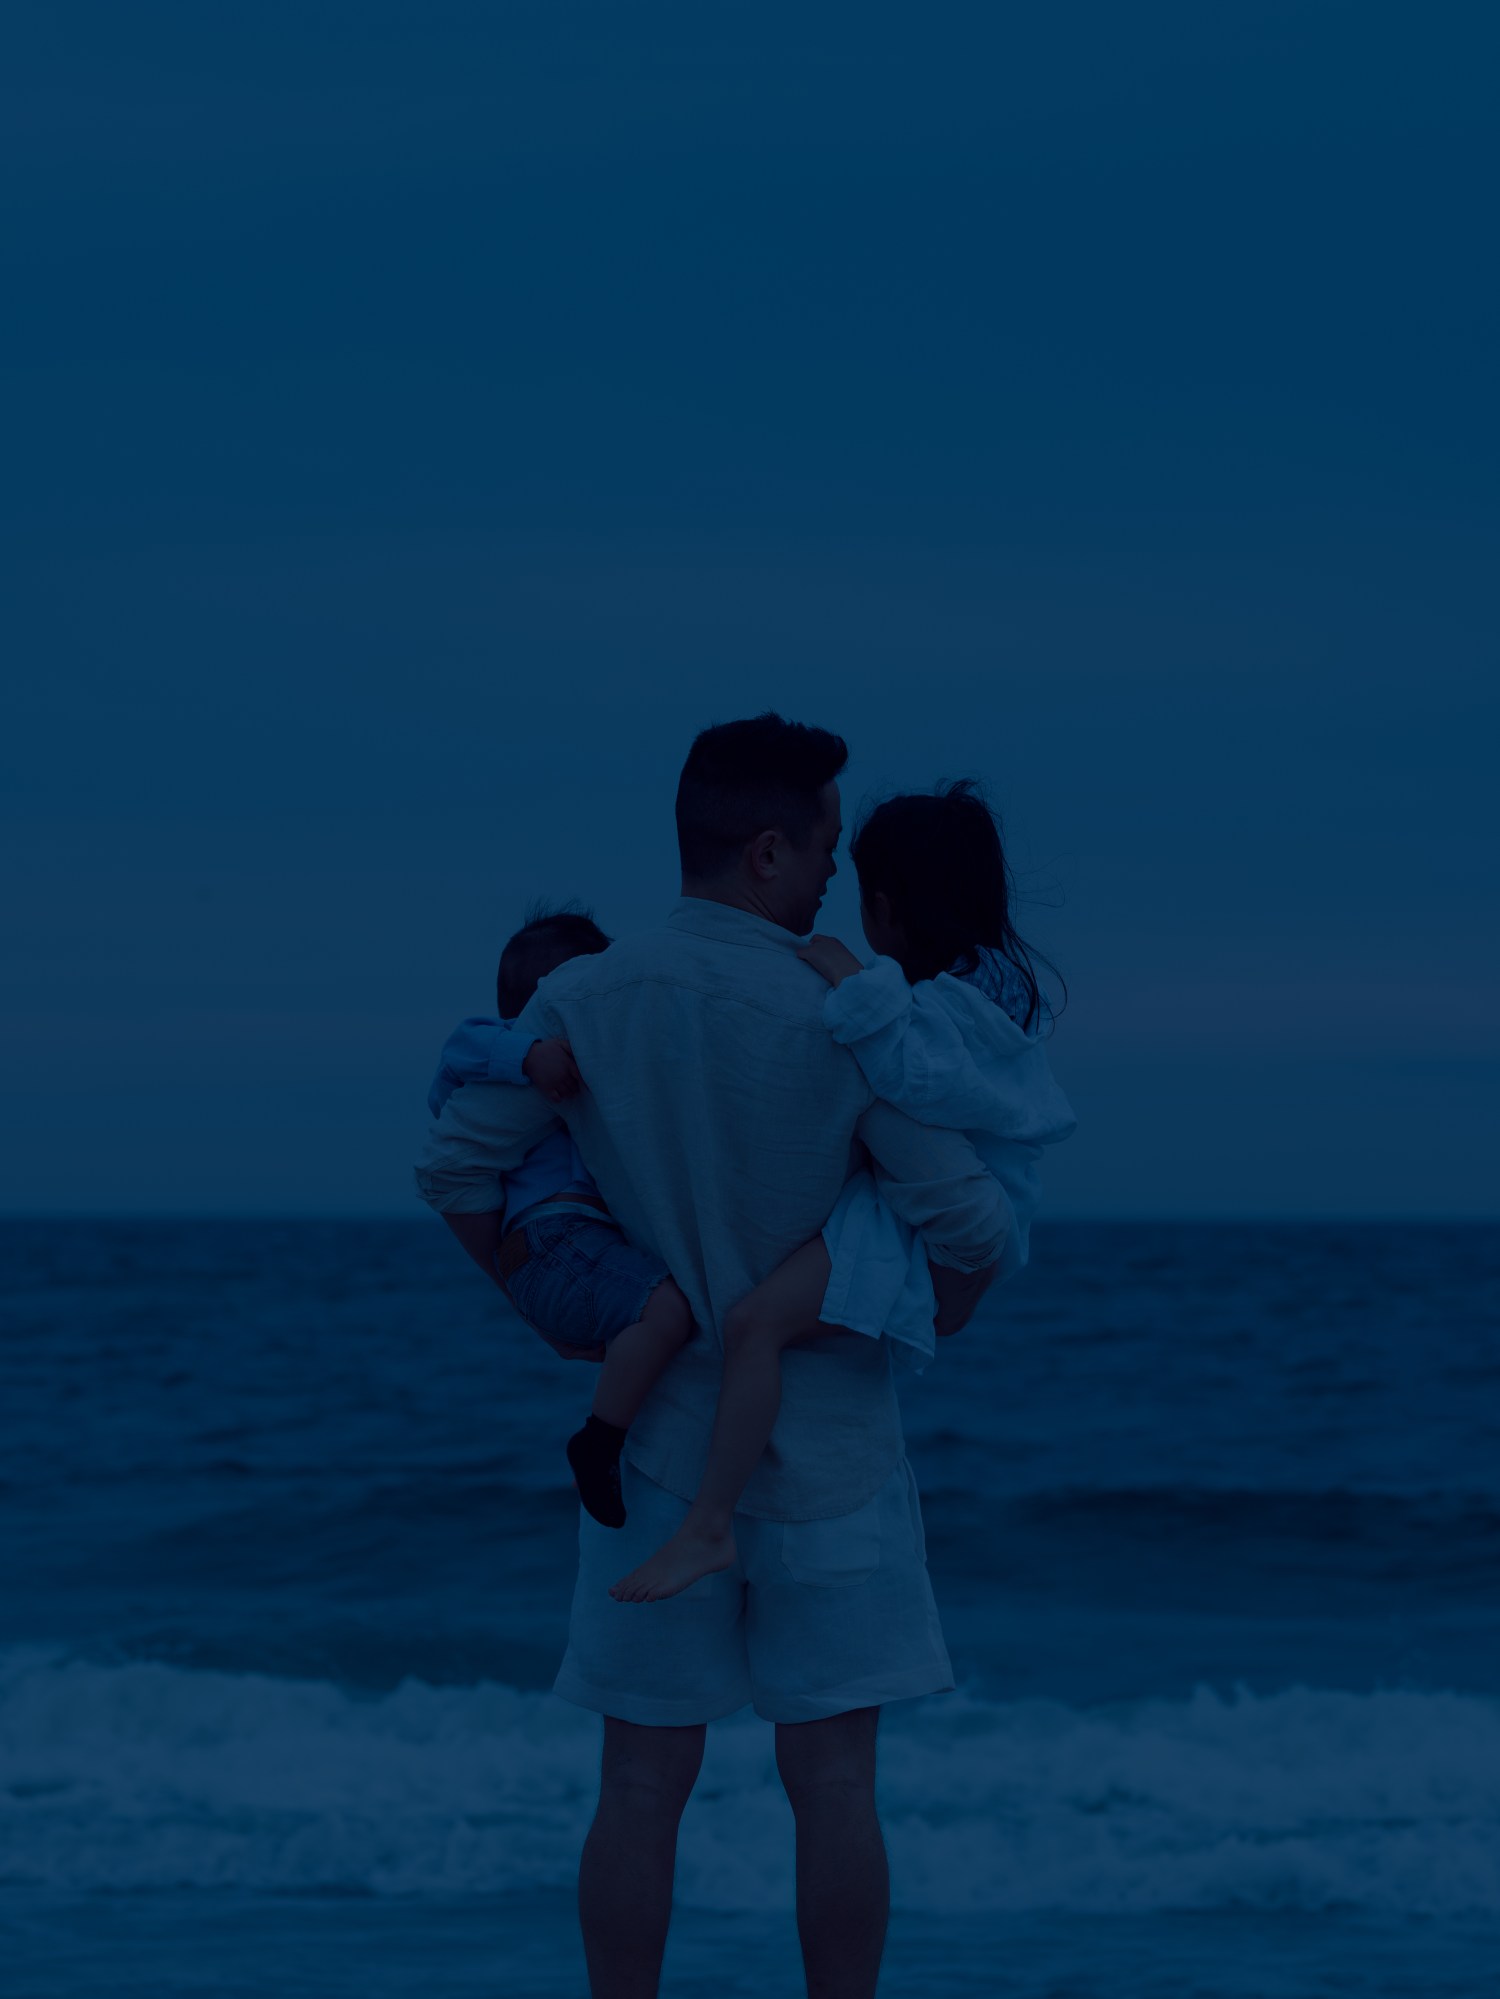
(741, 778)
(549, 937)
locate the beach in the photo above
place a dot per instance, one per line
(1213, 1518)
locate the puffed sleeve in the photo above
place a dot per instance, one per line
(946, 1055)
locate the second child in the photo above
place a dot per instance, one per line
(563, 1261)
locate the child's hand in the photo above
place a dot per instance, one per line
(550, 1068)
(830, 957)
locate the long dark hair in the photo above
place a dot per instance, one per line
(938, 856)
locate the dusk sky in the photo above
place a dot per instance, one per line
(421, 421)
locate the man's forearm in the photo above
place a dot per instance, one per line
(936, 1182)
(485, 1131)
(479, 1236)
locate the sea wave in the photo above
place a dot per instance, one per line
(143, 1776)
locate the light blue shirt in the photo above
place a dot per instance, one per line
(482, 1049)
(720, 1120)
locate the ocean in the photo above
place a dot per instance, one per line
(286, 1551)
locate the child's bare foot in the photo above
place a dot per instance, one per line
(689, 1554)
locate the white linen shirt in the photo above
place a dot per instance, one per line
(721, 1119)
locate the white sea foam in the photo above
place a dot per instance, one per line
(145, 1776)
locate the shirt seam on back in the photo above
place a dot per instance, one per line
(578, 996)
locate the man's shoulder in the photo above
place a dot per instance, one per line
(667, 959)
(627, 959)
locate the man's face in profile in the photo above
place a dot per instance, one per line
(807, 872)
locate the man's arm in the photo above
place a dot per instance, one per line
(937, 1182)
(486, 1129)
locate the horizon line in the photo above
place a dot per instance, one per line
(1123, 1217)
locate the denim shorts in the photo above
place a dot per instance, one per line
(581, 1283)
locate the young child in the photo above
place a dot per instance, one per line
(563, 1262)
(946, 1025)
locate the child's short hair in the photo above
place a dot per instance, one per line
(549, 937)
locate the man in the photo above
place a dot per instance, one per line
(720, 1121)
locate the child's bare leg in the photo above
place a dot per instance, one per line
(780, 1313)
(634, 1360)
(637, 1356)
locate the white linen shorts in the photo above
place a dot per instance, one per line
(813, 1618)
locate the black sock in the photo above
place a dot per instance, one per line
(608, 1436)
(594, 1454)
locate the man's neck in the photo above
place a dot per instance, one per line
(734, 895)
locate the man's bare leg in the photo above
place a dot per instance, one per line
(843, 1880)
(625, 1876)
(777, 1314)
(633, 1362)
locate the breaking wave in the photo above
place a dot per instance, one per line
(144, 1776)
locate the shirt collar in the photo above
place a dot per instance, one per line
(702, 918)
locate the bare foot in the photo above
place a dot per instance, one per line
(676, 1563)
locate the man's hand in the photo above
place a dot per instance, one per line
(550, 1068)
(831, 957)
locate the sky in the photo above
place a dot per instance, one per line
(421, 421)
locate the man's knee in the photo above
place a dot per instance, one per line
(829, 1759)
(650, 1771)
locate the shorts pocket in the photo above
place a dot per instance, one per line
(572, 1242)
(555, 1299)
(845, 1549)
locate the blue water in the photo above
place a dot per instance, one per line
(286, 1549)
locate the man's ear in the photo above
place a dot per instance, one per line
(761, 854)
(880, 905)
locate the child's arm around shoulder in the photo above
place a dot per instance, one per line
(482, 1049)
(872, 1012)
